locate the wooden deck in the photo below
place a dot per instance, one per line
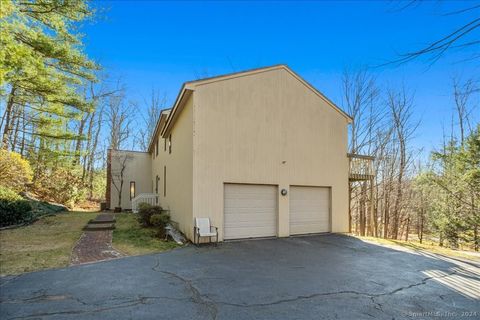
(361, 167)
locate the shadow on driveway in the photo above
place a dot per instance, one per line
(317, 277)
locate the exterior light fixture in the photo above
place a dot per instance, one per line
(283, 192)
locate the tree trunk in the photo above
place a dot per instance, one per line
(475, 237)
(87, 148)
(386, 219)
(421, 226)
(120, 193)
(8, 114)
(408, 229)
(22, 144)
(79, 141)
(349, 207)
(93, 151)
(398, 199)
(363, 195)
(371, 224)
(15, 132)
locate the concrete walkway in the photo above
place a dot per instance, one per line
(95, 244)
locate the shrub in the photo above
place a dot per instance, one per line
(13, 208)
(160, 221)
(145, 212)
(15, 172)
(9, 194)
(62, 185)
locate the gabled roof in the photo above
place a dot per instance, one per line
(189, 87)
(160, 123)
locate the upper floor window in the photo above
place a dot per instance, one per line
(164, 144)
(156, 148)
(170, 143)
(164, 181)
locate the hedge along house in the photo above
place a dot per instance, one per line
(262, 153)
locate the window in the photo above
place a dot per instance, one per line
(170, 143)
(164, 144)
(164, 181)
(156, 148)
(132, 190)
(156, 184)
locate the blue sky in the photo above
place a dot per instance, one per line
(156, 44)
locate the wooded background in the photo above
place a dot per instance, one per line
(60, 112)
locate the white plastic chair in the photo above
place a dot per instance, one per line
(203, 228)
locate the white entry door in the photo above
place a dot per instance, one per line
(309, 210)
(250, 211)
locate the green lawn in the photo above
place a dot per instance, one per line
(45, 244)
(48, 242)
(427, 246)
(131, 239)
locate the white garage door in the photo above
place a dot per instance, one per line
(309, 210)
(250, 211)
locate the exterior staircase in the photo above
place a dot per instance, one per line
(104, 221)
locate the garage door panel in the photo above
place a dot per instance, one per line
(247, 218)
(250, 211)
(248, 203)
(309, 210)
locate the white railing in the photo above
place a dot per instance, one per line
(150, 198)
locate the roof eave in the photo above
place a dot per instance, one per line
(163, 116)
(320, 94)
(182, 97)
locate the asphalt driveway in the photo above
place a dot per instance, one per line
(318, 277)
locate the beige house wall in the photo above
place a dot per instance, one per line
(267, 128)
(179, 170)
(263, 128)
(137, 168)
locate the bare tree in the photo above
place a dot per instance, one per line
(400, 105)
(361, 98)
(154, 104)
(464, 36)
(120, 116)
(119, 163)
(361, 95)
(462, 94)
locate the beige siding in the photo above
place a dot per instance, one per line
(179, 166)
(137, 168)
(267, 128)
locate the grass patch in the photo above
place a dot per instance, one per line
(428, 246)
(47, 243)
(130, 238)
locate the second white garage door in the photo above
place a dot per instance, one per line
(309, 210)
(250, 211)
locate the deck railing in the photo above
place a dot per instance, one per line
(150, 198)
(361, 167)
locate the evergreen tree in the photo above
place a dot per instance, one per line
(42, 65)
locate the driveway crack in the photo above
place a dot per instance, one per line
(141, 300)
(370, 296)
(195, 294)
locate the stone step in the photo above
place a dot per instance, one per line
(99, 226)
(95, 221)
(103, 218)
